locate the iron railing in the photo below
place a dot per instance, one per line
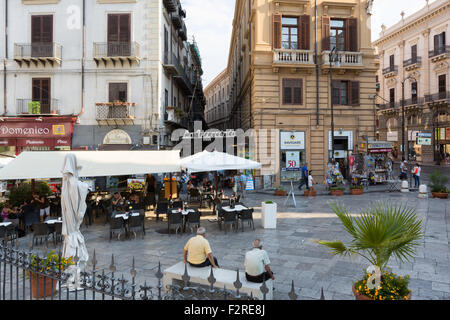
(438, 51)
(114, 111)
(444, 95)
(43, 106)
(390, 69)
(412, 61)
(17, 272)
(116, 49)
(37, 50)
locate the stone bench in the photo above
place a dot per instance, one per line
(224, 278)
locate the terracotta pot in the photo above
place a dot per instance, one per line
(310, 193)
(337, 193)
(279, 193)
(356, 192)
(49, 289)
(440, 195)
(364, 297)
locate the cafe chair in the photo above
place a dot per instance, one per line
(135, 224)
(177, 205)
(161, 208)
(174, 221)
(194, 195)
(116, 225)
(40, 231)
(193, 220)
(229, 219)
(57, 234)
(247, 216)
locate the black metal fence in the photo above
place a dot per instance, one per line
(19, 281)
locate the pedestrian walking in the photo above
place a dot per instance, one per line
(305, 174)
(416, 174)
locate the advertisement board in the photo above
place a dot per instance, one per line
(292, 140)
(292, 161)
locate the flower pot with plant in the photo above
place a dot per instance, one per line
(438, 185)
(43, 270)
(280, 192)
(311, 192)
(380, 232)
(337, 190)
(356, 190)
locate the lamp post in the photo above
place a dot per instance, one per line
(333, 57)
(403, 116)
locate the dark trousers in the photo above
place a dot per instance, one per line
(207, 263)
(258, 279)
(416, 181)
(304, 183)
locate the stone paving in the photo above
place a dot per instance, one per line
(292, 248)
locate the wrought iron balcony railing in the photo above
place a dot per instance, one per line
(440, 50)
(390, 69)
(412, 61)
(38, 52)
(115, 112)
(116, 49)
(436, 97)
(37, 107)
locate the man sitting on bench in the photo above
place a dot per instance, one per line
(197, 251)
(257, 262)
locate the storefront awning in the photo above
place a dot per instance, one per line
(46, 165)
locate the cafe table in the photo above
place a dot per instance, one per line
(125, 217)
(184, 213)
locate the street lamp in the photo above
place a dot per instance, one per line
(333, 57)
(403, 115)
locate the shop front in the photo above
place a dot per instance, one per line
(292, 155)
(379, 162)
(343, 149)
(392, 137)
(42, 134)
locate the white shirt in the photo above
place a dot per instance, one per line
(310, 181)
(255, 262)
(419, 170)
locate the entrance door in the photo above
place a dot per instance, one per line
(341, 154)
(42, 36)
(41, 93)
(118, 92)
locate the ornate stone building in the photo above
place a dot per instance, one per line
(414, 52)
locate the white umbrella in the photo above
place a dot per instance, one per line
(73, 208)
(216, 161)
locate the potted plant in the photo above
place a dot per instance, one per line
(356, 190)
(280, 192)
(269, 215)
(311, 192)
(43, 269)
(380, 232)
(337, 190)
(438, 185)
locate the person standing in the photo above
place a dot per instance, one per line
(416, 174)
(310, 180)
(257, 264)
(305, 175)
(243, 183)
(197, 251)
(404, 170)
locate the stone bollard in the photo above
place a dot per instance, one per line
(405, 186)
(423, 191)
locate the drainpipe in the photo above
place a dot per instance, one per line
(83, 58)
(317, 64)
(6, 58)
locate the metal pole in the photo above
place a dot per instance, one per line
(332, 107)
(403, 121)
(317, 64)
(438, 135)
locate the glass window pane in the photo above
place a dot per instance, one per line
(337, 23)
(293, 30)
(285, 30)
(290, 21)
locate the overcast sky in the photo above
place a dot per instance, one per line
(209, 21)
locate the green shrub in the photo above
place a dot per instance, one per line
(438, 182)
(268, 202)
(337, 189)
(354, 186)
(23, 192)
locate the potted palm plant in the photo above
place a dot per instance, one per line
(438, 185)
(380, 232)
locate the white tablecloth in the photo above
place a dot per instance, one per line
(52, 221)
(183, 212)
(125, 216)
(236, 208)
(5, 224)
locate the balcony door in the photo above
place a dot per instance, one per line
(119, 35)
(41, 93)
(42, 36)
(118, 92)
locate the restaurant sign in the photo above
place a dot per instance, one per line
(32, 130)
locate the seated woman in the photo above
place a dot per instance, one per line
(5, 212)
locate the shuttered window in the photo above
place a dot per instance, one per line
(439, 42)
(290, 35)
(293, 91)
(118, 92)
(325, 33)
(277, 31)
(346, 92)
(414, 53)
(119, 34)
(351, 35)
(340, 33)
(305, 23)
(42, 29)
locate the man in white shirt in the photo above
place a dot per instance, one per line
(257, 262)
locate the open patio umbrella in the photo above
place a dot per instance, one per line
(73, 208)
(216, 161)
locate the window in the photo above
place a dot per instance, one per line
(166, 46)
(293, 91)
(345, 92)
(439, 43)
(442, 84)
(414, 92)
(119, 35)
(414, 54)
(41, 93)
(118, 92)
(290, 33)
(392, 97)
(42, 36)
(166, 98)
(391, 61)
(337, 34)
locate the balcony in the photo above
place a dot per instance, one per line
(46, 53)
(183, 32)
(390, 71)
(289, 57)
(176, 117)
(171, 5)
(30, 107)
(177, 18)
(115, 113)
(437, 99)
(170, 63)
(347, 60)
(439, 54)
(182, 78)
(116, 52)
(412, 64)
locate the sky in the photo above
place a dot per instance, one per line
(210, 22)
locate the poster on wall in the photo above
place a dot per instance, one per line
(292, 161)
(250, 186)
(292, 140)
(136, 184)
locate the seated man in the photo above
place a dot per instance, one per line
(257, 262)
(197, 251)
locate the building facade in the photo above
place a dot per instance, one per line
(92, 74)
(279, 74)
(218, 107)
(414, 55)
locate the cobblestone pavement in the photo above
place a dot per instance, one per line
(292, 248)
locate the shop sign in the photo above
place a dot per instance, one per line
(392, 136)
(33, 130)
(292, 140)
(362, 147)
(292, 161)
(117, 136)
(424, 135)
(440, 134)
(380, 145)
(31, 142)
(380, 150)
(250, 186)
(340, 154)
(424, 141)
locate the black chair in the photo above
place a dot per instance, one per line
(150, 200)
(225, 202)
(135, 224)
(174, 221)
(116, 225)
(193, 219)
(238, 199)
(3, 235)
(30, 218)
(229, 218)
(107, 208)
(12, 233)
(194, 195)
(57, 234)
(177, 205)
(161, 208)
(246, 216)
(40, 231)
